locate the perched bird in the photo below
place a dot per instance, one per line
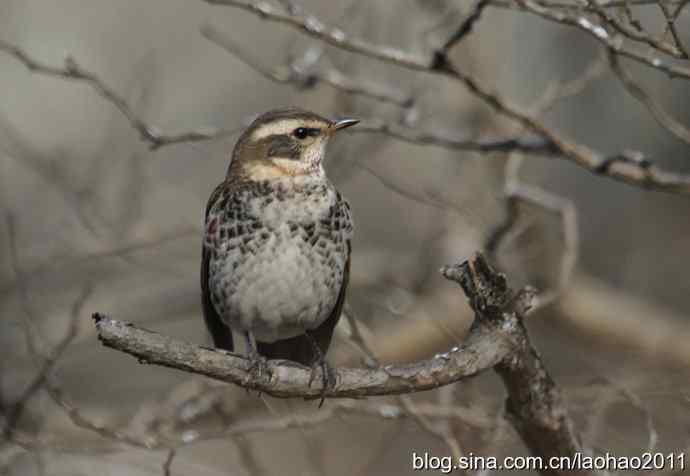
(276, 250)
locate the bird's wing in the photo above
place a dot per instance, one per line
(221, 334)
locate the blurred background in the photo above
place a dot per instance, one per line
(93, 220)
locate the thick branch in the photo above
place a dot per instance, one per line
(484, 348)
(498, 339)
(534, 402)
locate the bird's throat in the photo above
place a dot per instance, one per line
(276, 168)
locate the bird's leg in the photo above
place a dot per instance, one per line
(327, 372)
(257, 362)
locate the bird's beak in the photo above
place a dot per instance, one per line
(343, 123)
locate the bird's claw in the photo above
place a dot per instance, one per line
(328, 377)
(258, 367)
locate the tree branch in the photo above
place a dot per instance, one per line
(639, 92)
(534, 402)
(72, 70)
(498, 339)
(465, 27)
(483, 349)
(305, 72)
(632, 168)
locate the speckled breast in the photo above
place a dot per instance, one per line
(278, 255)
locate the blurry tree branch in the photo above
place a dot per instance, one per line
(498, 339)
(671, 17)
(464, 29)
(44, 380)
(306, 73)
(72, 70)
(167, 464)
(629, 167)
(571, 5)
(636, 32)
(640, 93)
(598, 31)
(517, 192)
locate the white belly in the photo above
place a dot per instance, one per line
(278, 259)
(282, 289)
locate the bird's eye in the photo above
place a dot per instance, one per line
(300, 133)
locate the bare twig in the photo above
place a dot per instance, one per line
(530, 145)
(296, 73)
(633, 168)
(81, 421)
(628, 167)
(515, 192)
(510, 4)
(72, 70)
(671, 18)
(115, 252)
(46, 362)
(636, 34)
(558, 89)
(464, 29)
(663, 118)
(443, 432)
(357, 338)
(240, 427)
(600, 33)
(167, 464)
(49, 362)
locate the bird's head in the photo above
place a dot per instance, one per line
(282, 143)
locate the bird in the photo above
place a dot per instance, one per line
(277, 243)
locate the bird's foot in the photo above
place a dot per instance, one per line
(258, 367)
(328, 377)
(258, 364)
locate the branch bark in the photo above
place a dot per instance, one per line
(485, 347)
(498, 339)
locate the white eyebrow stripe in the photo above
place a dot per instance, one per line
(281, 127)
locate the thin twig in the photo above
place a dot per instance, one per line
(167, 464)
(671, 18)
(635, 34)
(73, 71)
(465, 27)
(517, 191)
(633, 168)
(636, 90)
(295, 73)
(510, 4)
(528, 145)
(599, 32)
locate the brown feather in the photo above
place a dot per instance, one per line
(221, 334)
